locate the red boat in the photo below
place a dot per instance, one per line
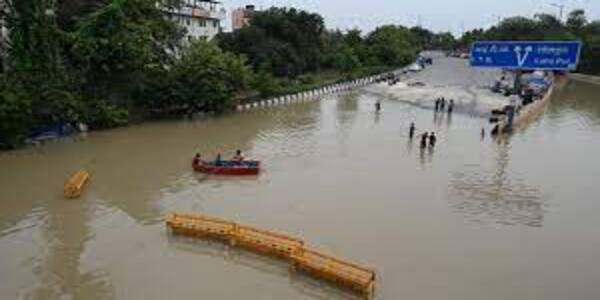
(235, 168)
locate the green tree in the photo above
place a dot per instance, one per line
(36, 68)
(590, 57)
(514, 29)
(346, 59)
(391, 45)
(204, 79)
(576, 20)
(15, 114)
(467, 39)
(422, 37)
(443, 41)
(353, 38)
(288, 40)
(34, 43)
(116, 45)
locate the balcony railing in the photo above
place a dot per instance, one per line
(200, 12)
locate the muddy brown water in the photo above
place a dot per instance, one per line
(472, 219)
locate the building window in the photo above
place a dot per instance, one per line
(215, 24)
(187, 21)
(202, 23)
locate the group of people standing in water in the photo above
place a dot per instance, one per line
(428, 139)
(441, 103)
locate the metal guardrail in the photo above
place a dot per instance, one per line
(314, 93)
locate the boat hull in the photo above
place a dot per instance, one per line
(244, 168)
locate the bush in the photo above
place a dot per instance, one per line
(58, 106)
(101, 114)
(266, 84)
(203, 79)
(15, 117)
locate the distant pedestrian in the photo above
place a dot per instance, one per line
(432, 140)
(451, 106)
(437, 104)
(377, 106)
(424, 138)
(411, 131)
(482, 133)
(443, 104)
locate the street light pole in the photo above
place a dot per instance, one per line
(561, 8)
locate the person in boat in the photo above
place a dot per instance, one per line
(432, 140)
(238, 156)
(198, 160)
(424, 138)
(218, 160)
(411, 131)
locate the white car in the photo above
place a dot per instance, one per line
(415, 68)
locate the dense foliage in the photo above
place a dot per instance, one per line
(282, 41)
(108, 62)
(426, 39)
(289, 43)
(547, 27)
(203, 79)
(94, 61)
(289, 48)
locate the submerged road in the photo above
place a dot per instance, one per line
(471, 219)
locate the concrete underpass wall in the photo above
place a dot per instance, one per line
(585, 78)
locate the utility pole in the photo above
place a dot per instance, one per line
(498, 19)
(561, 8)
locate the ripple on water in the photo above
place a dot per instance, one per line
(34, 218)
(305, 285)
(491, 197)
(286, 141)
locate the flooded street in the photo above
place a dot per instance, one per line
(475, 219)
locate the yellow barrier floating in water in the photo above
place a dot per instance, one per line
(74, 186)
(357, 278)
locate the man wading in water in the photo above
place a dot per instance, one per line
(424, 140)
(432, 140)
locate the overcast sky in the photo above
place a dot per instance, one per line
(438, 15)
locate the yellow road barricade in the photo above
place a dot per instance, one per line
(339, 271)
(75, 184)
(357, 278)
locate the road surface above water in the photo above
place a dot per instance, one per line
(473, 219)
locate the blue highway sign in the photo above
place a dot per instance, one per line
(526, 55)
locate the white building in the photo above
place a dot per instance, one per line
(201, 18)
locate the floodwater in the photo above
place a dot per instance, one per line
(475, 218)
